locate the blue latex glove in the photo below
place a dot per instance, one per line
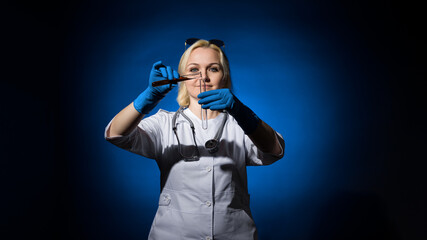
(148, 99)
(223, 99)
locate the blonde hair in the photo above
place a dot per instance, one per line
(183, 98)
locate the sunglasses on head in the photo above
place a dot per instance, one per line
(217, 42)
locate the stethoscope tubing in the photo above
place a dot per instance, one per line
(211, 145)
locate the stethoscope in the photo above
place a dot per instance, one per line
(211, 145)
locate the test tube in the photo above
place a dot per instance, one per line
(204, 111)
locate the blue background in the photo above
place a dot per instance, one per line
(342, 82)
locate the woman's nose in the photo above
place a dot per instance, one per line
(205, 76)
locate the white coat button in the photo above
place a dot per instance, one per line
(208, 203)
(208, 169)
(208, 238)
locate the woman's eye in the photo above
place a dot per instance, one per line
(194, 70)
(214, 69)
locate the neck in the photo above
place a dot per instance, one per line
(195, 109)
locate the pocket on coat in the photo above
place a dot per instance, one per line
(235, 225)
(164, 224)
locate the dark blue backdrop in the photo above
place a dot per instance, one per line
(342, 82)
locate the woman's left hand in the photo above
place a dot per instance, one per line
(218, 99)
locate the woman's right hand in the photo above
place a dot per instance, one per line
(161, 72)
(148, 99)
(127, 119)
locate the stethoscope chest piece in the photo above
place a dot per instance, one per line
(212, 145)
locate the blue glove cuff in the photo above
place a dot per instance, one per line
(146, 101)
(244, 116)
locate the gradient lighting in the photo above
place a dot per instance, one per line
(285, 80)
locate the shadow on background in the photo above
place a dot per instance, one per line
(344, 83)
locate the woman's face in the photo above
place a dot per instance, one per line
(206, 61)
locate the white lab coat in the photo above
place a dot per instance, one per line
(204, 199)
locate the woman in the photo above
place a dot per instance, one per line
(204, 191)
